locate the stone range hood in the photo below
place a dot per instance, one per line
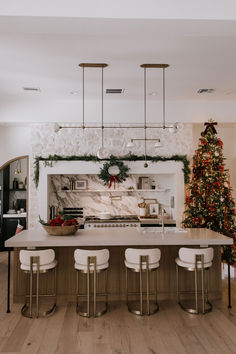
(93, 168)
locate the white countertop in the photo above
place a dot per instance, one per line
(124, 237)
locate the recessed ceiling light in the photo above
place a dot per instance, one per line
(34, 89)
(205, 90)
(74, 92)
(115, 91)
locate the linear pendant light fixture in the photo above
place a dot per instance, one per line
(172, 128)
(102, 152)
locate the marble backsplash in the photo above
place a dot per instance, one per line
(99, 198)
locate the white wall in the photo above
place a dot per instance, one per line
(14, 141)
(227, 133)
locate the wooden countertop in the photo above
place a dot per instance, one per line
(119, 237)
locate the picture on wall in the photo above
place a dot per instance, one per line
(81, 184)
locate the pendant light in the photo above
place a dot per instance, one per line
(102, 151)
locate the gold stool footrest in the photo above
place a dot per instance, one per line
(81, 309)
(134, 307)
(208, 308)
(25, 310)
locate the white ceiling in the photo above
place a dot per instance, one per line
(45, 52)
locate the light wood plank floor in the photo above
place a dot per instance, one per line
(169, 331)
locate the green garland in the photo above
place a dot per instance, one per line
(48, 161)
(104, 174)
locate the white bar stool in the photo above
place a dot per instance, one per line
(195, 260)
(142, 261)
(91, 262)
(36, 263)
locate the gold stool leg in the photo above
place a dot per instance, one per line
(126, 284)
(94, 289)
(31, 291)
(141, 291)
(148, 302)
(196, 290)
(37, 293)
(77, 291)
(203, 290)
(55, 284)
(106, 288)
(88, 289)
(177, 282)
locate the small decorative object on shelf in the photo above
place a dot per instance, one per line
(60, 226)
(153, 185)
(80, 184)
(143, 183)
(15, 183)
(113, 171)
(142, 208)
(154, 209)
(21, 185)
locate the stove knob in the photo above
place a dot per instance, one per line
(112, 225)
(116, 225)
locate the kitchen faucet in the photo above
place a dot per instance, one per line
(162, 219)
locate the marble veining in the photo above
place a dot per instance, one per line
(115, 201)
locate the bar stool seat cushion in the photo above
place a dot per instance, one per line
(132, 257)
(46, 259)
(137, 266)
(192, 265)
(41, 267)
(81, 259)
(187, 257)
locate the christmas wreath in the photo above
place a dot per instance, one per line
(113, 171)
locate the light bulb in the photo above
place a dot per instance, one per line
(179, 126)
(56, 127)
(158, 144)
(172, 129)
(102, 153)
(130, 144)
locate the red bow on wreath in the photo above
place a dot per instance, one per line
(113, 179)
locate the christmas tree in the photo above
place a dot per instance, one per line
(209, 201)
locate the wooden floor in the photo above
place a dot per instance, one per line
(171, 330)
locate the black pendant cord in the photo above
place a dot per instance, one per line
(229, 288)
(9, 281)
(163, 102)
(145, 114)
(102, 108)
(83, 126)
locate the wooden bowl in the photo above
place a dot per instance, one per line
(60, 230)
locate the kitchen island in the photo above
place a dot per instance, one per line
(117, 240)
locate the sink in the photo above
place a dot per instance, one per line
(159, 229)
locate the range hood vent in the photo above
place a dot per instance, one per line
(205, 90)
(35, 89)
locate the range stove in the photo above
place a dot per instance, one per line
(124, 221)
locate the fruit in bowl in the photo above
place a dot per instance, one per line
(62, 225)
